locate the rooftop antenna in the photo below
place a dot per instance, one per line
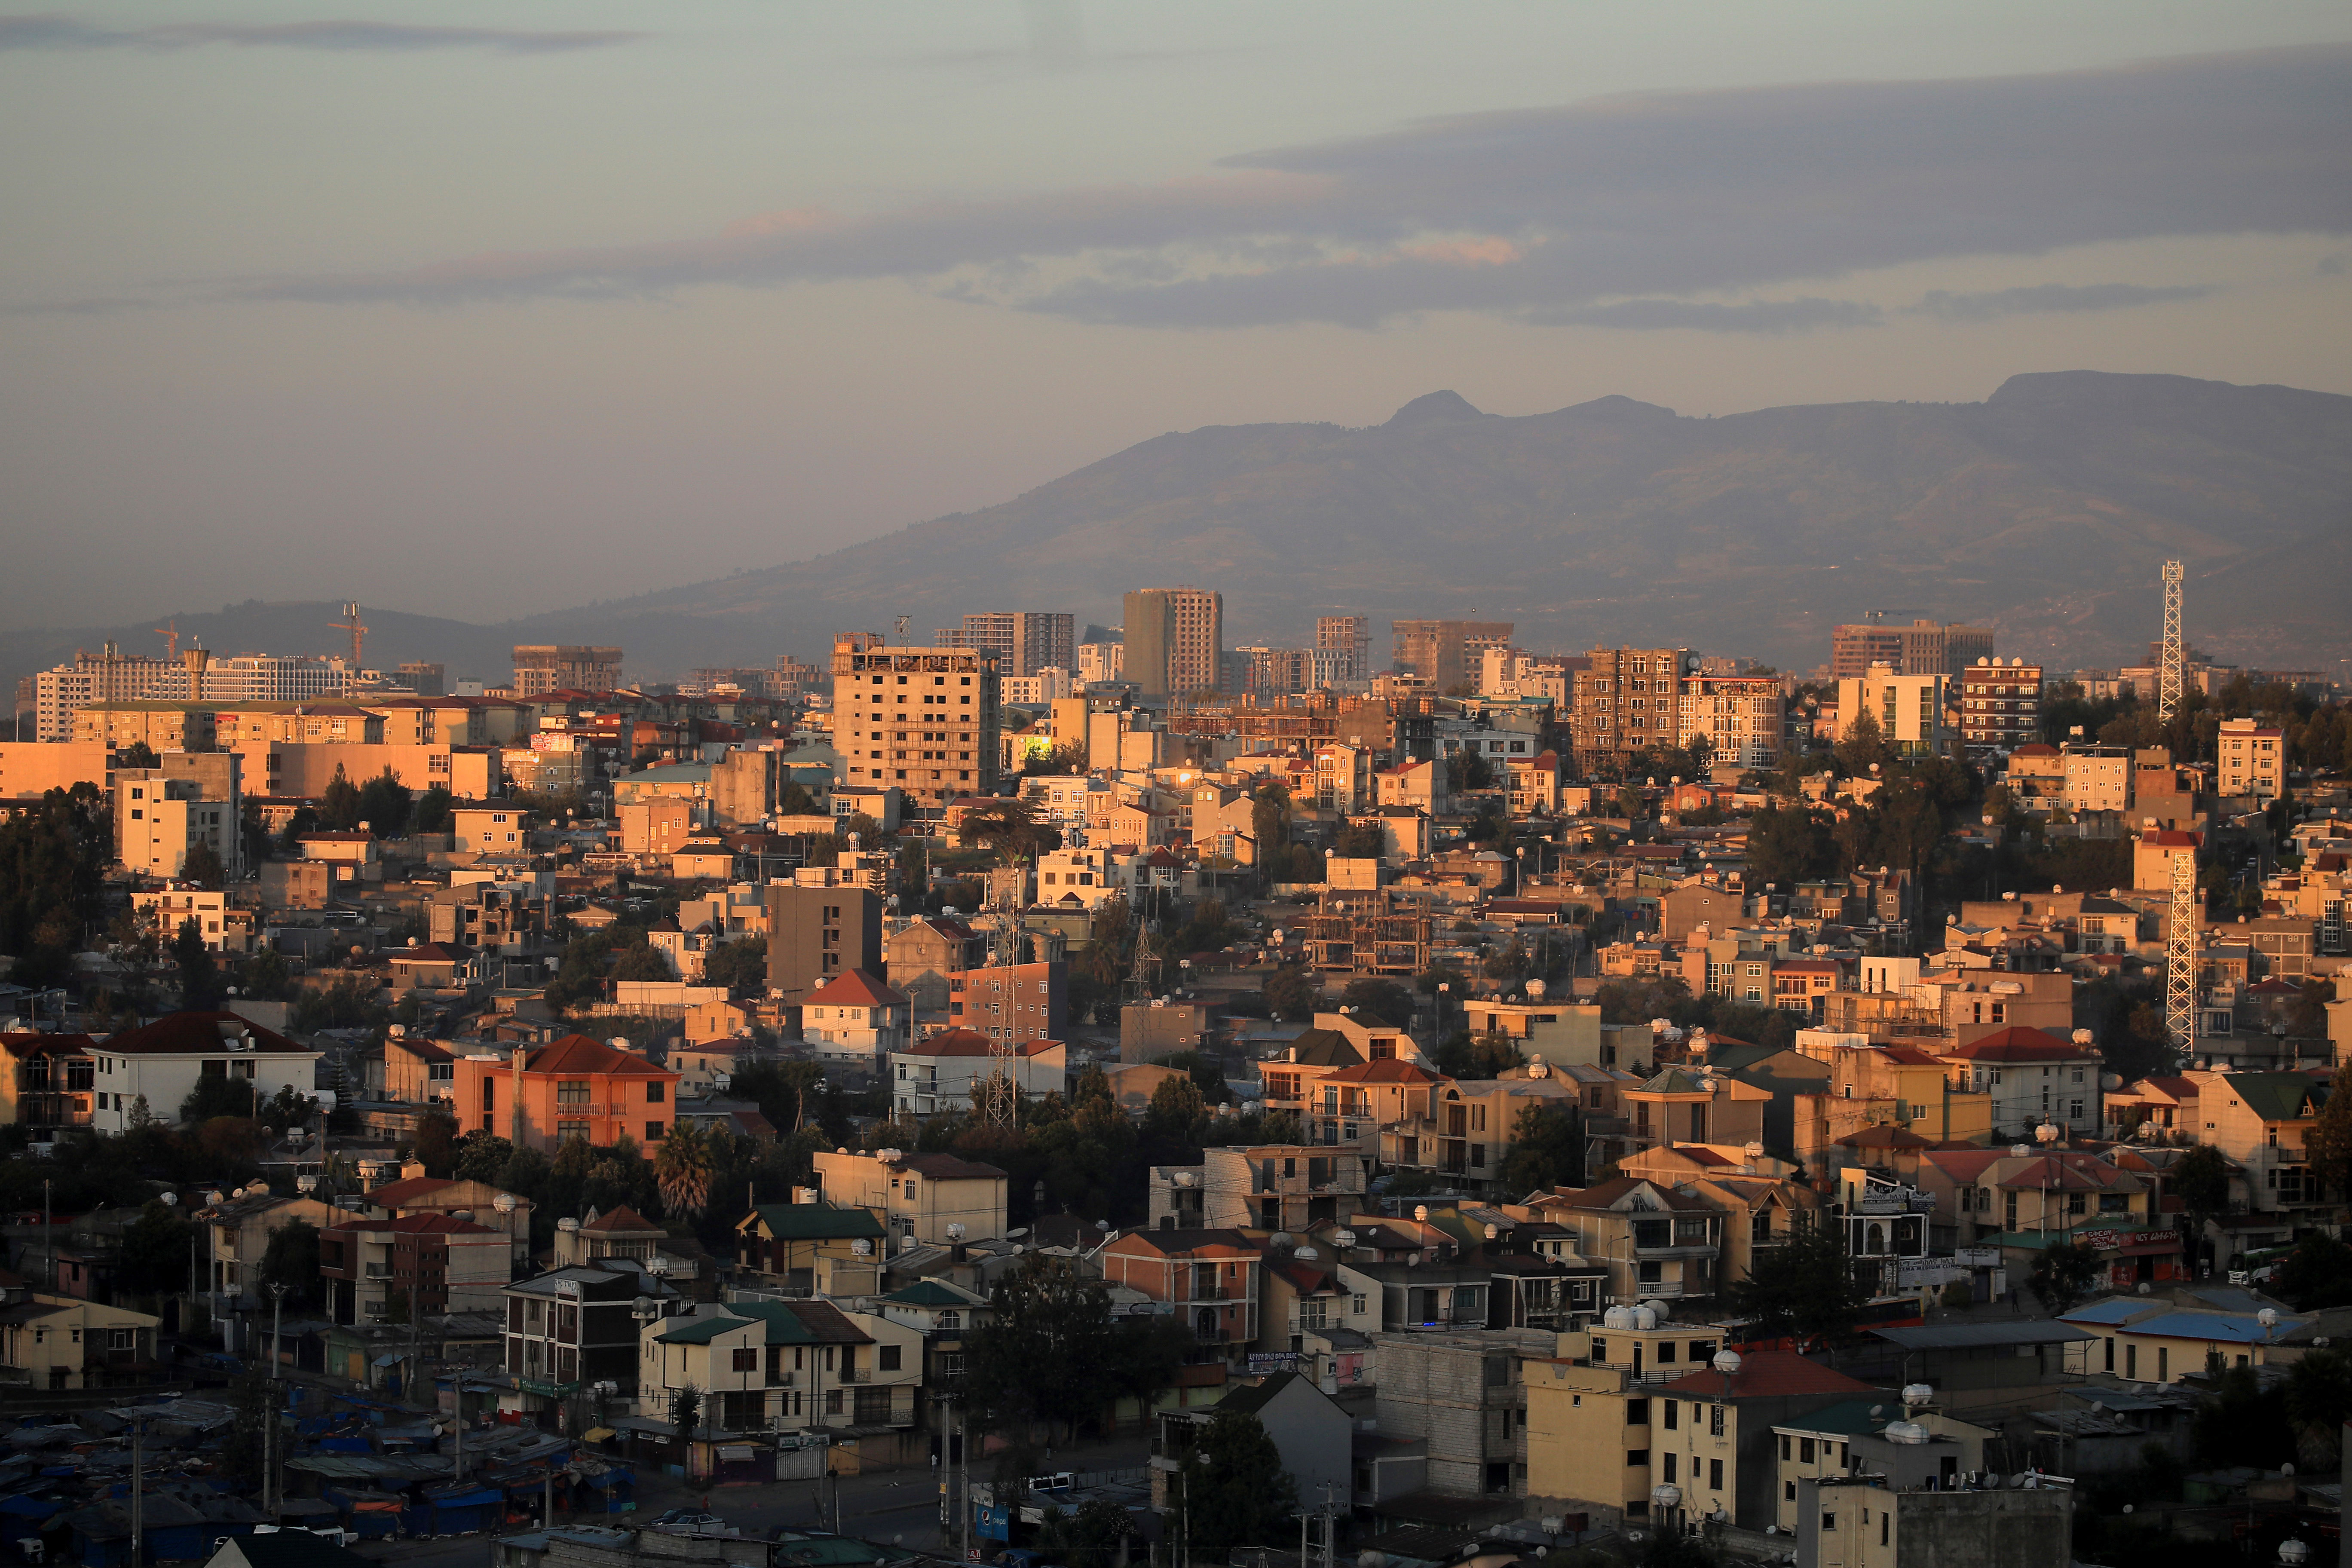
(902, 630)
(2170, 677)
(350, 623)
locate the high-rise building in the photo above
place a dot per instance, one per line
(1446, 654)
(1351, 636)
(1175, 639)
(1740, 715)
(921, 719)
(107, 676)
(1102, 661)
(1025, 641)
(2001, 705)
(1280, 671)
(425, 678)
(564, 666)
(1923, 647)
(1627, 699)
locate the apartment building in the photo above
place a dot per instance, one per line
(1271, 1186)
(1008, 1002)
(542, 668)
(938, 1072)
(1207, 1279)
(1462, 1396)
(856, 1020)
(1446, 654)
(107, 676)
(2251, 759)
(925, 720)
(1907, 709)
(1657, 1243)
(1351, 639)
(1923, 647)
(2032, 1079)
(1025, 642)
(938, 1199)
(1627, 699)
(2001, 705)
(153, 722)
(574, 1327)
(781, 1366)
(418, 1263)
(1175, 640)
(163, 811)
(1283, 671)
(161, 1063)
(221, 925)
(1741, 716)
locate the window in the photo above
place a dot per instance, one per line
(1672, 1414)
(1805, 1450)
(746, 1359)
(1715, 1420)
(655, 1132)
(1828, 1522)
(574, 1093)
(1637, 1414)
(887, 1358)
(653, 1093)
(1715, 1475)
(1637, 1458)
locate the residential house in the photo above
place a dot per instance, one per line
(417, 1264)
(2160, 1338)
(577, 1086)
(1558, 1031)
(1463, 1130)
(417, 1071)
(417, 1194)
(160, 1063)
(809, 1247)
(51, 1344)
(1207, 1279)
(943, 1312)
(574, 1328)
(1657, 1243)
(934, 1199)
(1309, 1429)
(2262, 1121)
(1355, 1103)
(235, 1232)
(923, 952)
(1849, 1439)
(46, 1080)
(789, 1366)
(1272, 1188)
(2032, 1079)
(938, 1072)
(856, 1020)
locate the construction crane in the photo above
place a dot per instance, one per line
(350, 623)
(169, 632)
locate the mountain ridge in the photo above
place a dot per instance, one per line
(2044, 510)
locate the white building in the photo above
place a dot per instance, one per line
(172, 905)
(162, 1062)
(1907, 709)
(1048, 685)
(855, 1019)
(937, 1074)
(161, 814)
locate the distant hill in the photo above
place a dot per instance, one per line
(2045, 511)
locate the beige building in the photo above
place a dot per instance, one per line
(1175, 639)
(1907, 709)
(234, 1237)
(541, 668)
(159, 726)
(919, 1196)
(1625, 700)
(107, 676)
(856, 1019)
(2250, 759)
(30, 769)
(1923, 647)
(1739, 715)
(1446, 654)
(924, 720)
(489, 830)
(783, 1366)
(223, 927)
(55, 1342)
(163, 812)
(307, 770)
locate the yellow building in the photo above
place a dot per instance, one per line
(2157, 1339)
(1852, 1436)
(783, 1366)
(62, 1341)
(159, 726)
(1607, 1422)
(809, 1245)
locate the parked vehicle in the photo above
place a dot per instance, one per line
(692, 1521)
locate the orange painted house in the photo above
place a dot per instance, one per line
(575, 1086)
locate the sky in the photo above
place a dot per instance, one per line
(486, 309)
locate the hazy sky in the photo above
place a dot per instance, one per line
(484, 310)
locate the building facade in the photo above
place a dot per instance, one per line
(542, 668)
(1626, 700)
(1741, 717)
(2001, 705)
(1175, 639)
(1923, 647)
(1446, 654)
(924, 720)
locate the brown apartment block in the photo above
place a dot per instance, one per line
(1628, 700)
(1447, 653)
(817, 934)
(2001, 705)
(1923, 647)
(564, 666)
(921, 719)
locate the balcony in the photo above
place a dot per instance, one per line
(856, 1374)
(783, 1380)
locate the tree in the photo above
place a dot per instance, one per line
(481, 1156)
(1089, 1538)
(200, 985)
(1233, 1488)
(202, 865)
(2328, 1144)
(1804, 1287)
(436, 1143)
(1052, 1351)
(219, 1095)
(1270, 819)
(339, 803)
(292, 1259)
(431, 813)
(1365, 840)
(384, 804)
(1292, 994)
(1486, 1054)
(2319, 1401)
(1010, 828)
(740, 965)
(1547, 1148)
(1179, 1112)
(53, 860)
(155, 1259)
(138, 754)
(1384, 1000)
(1860, 743)
(1789, 844)
(682, 1166)
(2200, 1179)
(2317, 1274)
(2063, 1275)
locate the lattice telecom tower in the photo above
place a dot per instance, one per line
(2170, 677)
(1143, 975)
(1001, 1093)
(2180, 957)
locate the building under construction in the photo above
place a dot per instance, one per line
(1369, 932)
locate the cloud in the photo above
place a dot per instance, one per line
(1949, 307)
(1644, 201)
(1755, 316)
(48, 31)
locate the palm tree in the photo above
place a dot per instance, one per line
(682, 1166)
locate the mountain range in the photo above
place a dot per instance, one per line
(2045, 511)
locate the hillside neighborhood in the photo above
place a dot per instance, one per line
(1152, 1094)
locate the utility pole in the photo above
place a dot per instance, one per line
(269, 1484)
(137, 1494)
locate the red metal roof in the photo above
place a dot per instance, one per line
(1771, 1374)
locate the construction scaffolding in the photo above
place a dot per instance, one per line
(1369, 932)
(2180, 959)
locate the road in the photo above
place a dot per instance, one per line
(893, 1506)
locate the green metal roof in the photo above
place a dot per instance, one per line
(1851, 1419)
(929, 1293)
(2275, 1096)
(816, 1222)
(699, 1330)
